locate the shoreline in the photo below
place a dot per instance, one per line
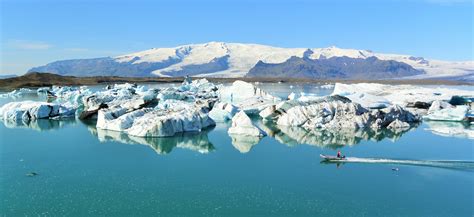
(34, 80)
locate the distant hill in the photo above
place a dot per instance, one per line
(219, 59)
(36, 79)
(7, 76)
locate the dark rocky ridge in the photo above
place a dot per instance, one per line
(334, 68)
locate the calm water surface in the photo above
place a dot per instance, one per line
(88, 172)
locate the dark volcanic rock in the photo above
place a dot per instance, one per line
(420, 105)
(334, 68)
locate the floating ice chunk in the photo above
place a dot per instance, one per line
(240, 91)
(336, 112)
(165, 123)
(30, 110)
(125, 86)
(438, 105)
(458, 113)
(222, 112)
(401, 94)
(292, 96)
(327, 86)
(269, 112)
(242, 125)
(118, 119)
(126, 97)
(17, 93)
(42, 90)
(171, 93)
(367, 100)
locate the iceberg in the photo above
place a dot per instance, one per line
(339, 113)
(458, 113)
(242, 125)
(148, 122)
(240, 91)
(26, 111)
(223, 112)
(399, 94)
(247, 97)
(438, 105)
(17, 93)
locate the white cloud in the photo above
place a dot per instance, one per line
(29, 45)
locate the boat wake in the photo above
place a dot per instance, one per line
(449, 164)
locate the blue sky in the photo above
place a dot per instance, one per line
(36, 32)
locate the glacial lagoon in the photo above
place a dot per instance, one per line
(85, 171)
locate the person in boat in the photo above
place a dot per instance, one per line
(339, 155)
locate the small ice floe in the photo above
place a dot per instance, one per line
(31, 174)
(17, 93)
(458, 113)
(327, 86)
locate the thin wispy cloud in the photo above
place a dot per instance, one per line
(29, 45)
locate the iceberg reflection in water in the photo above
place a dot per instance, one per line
(244, 143)
(447, 128)
(198, 141)
(41, 124)
(293, 136)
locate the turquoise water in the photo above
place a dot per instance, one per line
(83, 171)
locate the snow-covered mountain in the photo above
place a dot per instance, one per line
(219, 59)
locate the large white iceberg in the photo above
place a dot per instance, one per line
(247, 97)
(240, 91)
(334, 113)
(31, 110)
(154, 123)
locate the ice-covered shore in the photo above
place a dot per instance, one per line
(197, 105)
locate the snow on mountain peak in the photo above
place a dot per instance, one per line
(242, 57)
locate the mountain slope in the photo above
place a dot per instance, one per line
(219, 59)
